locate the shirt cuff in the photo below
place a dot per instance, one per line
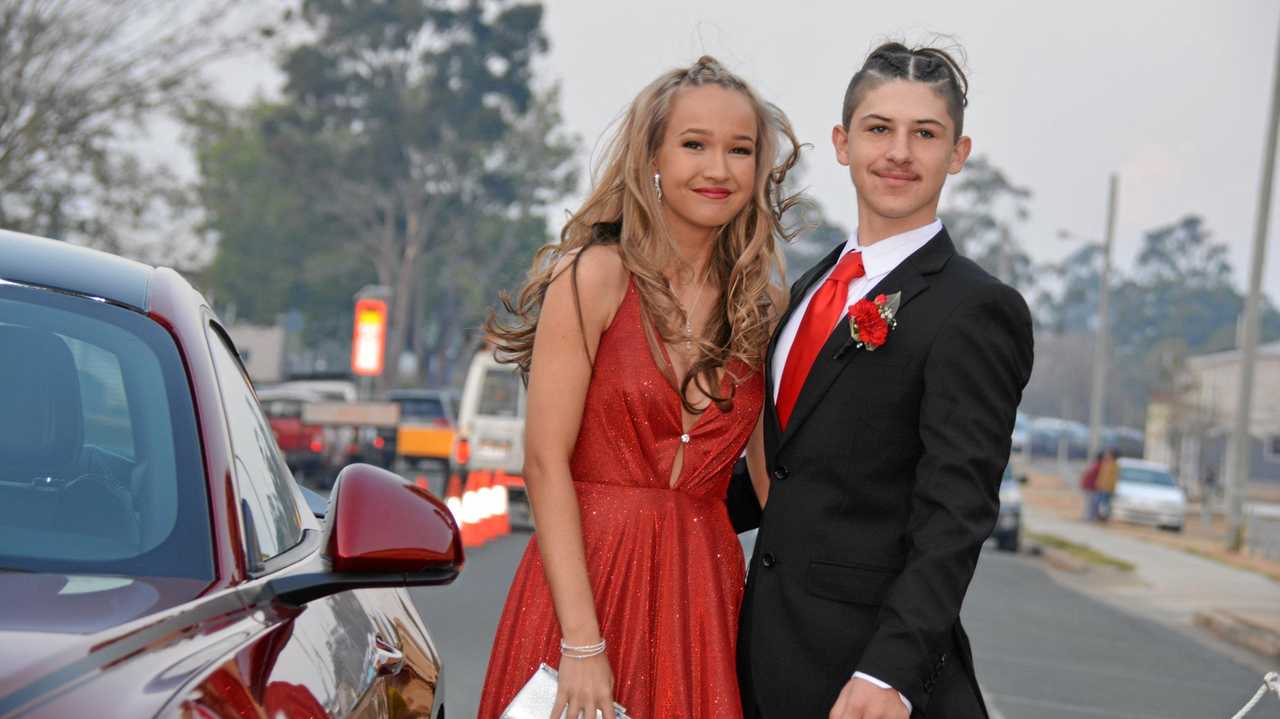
(882, 685)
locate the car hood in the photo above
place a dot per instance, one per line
(49, 620)
(1149, 492)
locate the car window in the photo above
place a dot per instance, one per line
(100, 465)
(282, 408)
(273, 522)
(500, 394)
(1142, 475)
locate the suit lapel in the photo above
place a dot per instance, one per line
(798, 291)
(909, 278)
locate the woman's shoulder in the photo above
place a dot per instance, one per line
(601, 281)
(599, 268)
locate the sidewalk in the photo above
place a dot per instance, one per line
(1173, 586)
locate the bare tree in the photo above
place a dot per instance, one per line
(77, 77)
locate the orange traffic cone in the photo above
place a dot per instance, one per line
(486, 492)
(502, 510)
(472, 533)
(453, 498)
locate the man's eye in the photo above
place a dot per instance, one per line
(877, 129)
(693, 144)
(926, 134)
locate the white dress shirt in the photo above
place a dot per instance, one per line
(879, 259)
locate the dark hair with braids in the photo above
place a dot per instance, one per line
(895, 61)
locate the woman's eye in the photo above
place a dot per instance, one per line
(877, 129)
(692, 144)
(743, 151)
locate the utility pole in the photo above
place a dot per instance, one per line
(1237, 482)
(1102, 343)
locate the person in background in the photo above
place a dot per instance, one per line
(1108, 473)
(1089, 485)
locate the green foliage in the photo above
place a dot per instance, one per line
(983, 209)
(413, 149)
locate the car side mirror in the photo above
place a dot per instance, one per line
(378, 523)
(379, 531)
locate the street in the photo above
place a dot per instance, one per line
(1043, 650)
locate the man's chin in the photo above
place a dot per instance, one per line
(895, 210)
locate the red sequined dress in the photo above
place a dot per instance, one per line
(665, 566)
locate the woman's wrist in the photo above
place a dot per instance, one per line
(581, 651)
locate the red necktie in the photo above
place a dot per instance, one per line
(824, 311)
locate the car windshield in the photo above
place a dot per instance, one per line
(1142, 475)
(500, 394)
(421, 408)
(100, 467)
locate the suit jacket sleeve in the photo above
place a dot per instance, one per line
(973, 379)
(744, 506)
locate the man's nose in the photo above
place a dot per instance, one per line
(900, 148)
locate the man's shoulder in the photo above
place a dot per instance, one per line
(969, 283)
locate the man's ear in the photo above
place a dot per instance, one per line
(840, 139)
(959, 154)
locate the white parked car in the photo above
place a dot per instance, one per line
(1146, 493)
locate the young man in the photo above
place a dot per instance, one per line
(885, 439)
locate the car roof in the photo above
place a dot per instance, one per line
(1142, 464)
(42, 262)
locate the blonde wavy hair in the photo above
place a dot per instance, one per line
(624, 210)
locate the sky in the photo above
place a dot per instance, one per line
(1171, 96)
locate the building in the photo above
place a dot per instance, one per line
(262, 349)
(1196, 423)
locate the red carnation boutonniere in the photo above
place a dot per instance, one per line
(871, 320)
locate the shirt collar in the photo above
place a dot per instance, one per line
(883, 256)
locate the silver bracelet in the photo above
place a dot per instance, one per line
(582, 652)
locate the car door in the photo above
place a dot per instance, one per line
(341, 654)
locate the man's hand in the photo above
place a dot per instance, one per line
(860, 699)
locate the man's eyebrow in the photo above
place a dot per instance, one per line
(923, 121)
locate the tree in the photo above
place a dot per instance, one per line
(79, 76)
(983, 208)
(411, 150)
(399, 113)
(1178, 302)
(276, 250)
(1074, 310)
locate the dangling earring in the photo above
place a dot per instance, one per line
(657, 184)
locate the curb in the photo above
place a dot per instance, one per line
(1060, 559)
(1241, 631)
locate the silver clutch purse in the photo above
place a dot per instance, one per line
(538, 696)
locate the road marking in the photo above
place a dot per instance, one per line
(1076, 708)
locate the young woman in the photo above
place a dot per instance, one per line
(643, 333)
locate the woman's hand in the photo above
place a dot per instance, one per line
(585, 686)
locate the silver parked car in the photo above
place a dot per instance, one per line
(1146, 493)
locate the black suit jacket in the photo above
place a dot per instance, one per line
(884, 487)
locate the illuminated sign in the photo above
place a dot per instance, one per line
(369, 338)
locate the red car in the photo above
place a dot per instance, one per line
(156, 556)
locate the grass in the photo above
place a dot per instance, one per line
(1081, 551)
